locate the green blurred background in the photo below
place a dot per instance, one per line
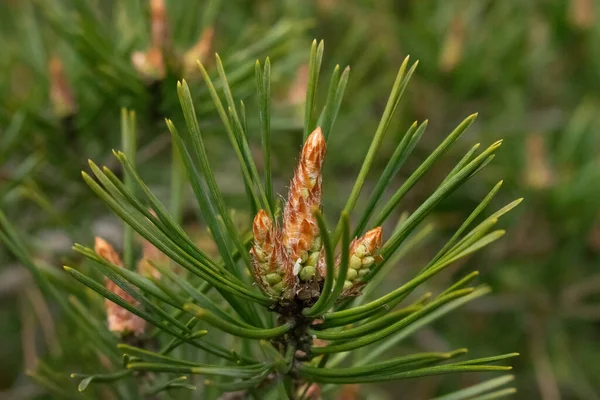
(530, 68)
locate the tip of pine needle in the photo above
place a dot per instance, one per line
(201, 66)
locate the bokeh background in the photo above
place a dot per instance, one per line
(530, 68)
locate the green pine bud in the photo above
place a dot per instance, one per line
(316, 244)
(303, 256)
(352, 274)
(355, 262)
(368, 261)
(260, 255)
(313, 259)
(273, 278)
(278, 288)
(360, 250)
(307, 273)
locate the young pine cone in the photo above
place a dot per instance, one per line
(271, 270)
(363, 255)
(301, 239)
(119, 320)
(290, 262)
(283, 256)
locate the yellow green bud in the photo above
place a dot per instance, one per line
(313, 259)
(278, 287)
(316, 244)
(355, 262)
(273, 278)
(259, 254)
(360, 250)
(307, 273)
(303, 256)
(368, 261)
(352, 274)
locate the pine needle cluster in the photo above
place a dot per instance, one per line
(279, 311)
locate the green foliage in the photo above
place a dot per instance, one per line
(530, 68)
(217, 292)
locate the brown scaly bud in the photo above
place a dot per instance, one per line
(151, 253)
(363, 255)
(119, 319)
(271, 270)
(61, 95)
(301, 239)
(199, 52)
(150, 64)
(158, 22)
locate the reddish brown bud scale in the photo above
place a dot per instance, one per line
(118, 319)
(270, 267)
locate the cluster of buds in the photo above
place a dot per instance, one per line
(363, 255)
(271, 273)
(290, 261)
(300, 236)
(151, 64)
(119, 320)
